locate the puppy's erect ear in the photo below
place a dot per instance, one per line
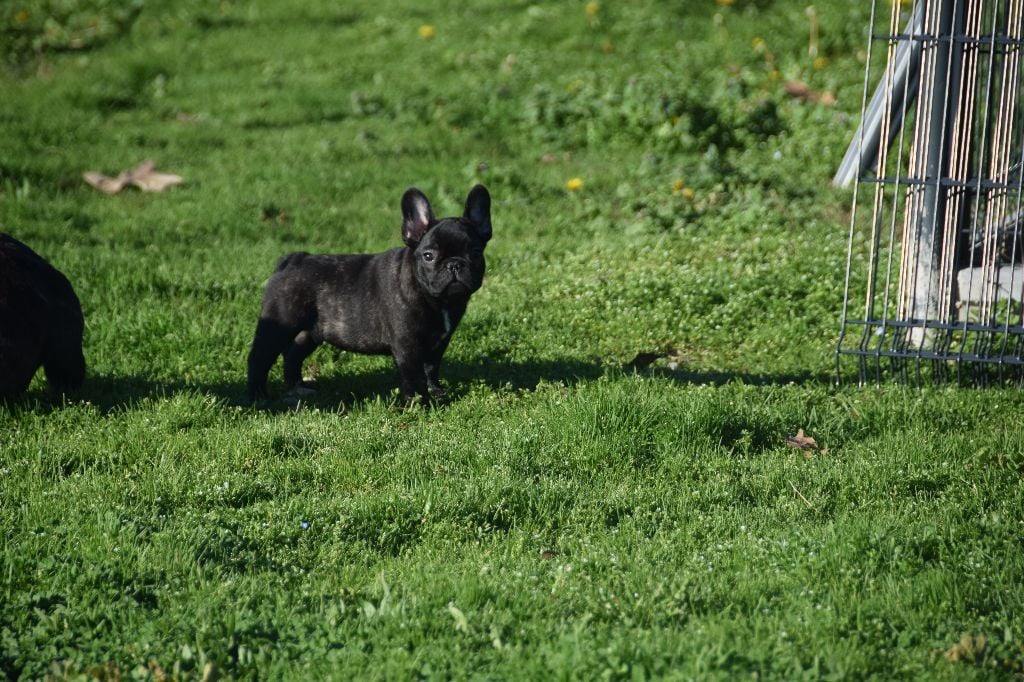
(478, 211)
(417, 217)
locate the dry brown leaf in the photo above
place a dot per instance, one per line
(144, 176)
(105, 184)
(797, 89)
(274, 213)
(802, 441)
(548, 554)
(970, 648)
(148, 179)
(550, 158)
(802, 91)
(157, 182)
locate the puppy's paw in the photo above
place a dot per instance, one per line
(414, 402)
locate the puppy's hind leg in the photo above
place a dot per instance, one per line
(301, 347)
(17, 367)
(62, 357)
(65, 367)
(270, 340)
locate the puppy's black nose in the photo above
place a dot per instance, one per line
(454, 267)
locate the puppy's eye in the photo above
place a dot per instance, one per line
(428, 256)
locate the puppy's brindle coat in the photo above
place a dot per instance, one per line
(405, 302)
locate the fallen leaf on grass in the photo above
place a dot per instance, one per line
(548, 554)
(969, 649)
(801, 441)
(105, 184)
(274, 213)
(802, 91)
(550, 158)
(144, 176)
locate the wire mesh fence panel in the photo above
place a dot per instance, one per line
(935, 267)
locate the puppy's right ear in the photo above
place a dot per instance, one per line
(478, 211)
(417, 217)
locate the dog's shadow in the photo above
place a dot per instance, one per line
(344, 390)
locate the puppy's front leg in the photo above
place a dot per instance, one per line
(411, 378)
(432, 369)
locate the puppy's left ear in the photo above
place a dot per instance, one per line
(478, 211)
(417, 217)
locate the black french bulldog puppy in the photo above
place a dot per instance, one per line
(40, 322)
(406, 302)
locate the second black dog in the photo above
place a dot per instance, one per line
(406, 302)
(40, 322)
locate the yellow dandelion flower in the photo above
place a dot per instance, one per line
(687, 192)
(574, 184)
(426, 31)
(678, 186)
(820, 63)
(592, 8)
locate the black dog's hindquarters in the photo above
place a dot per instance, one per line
(406, 302)
(40, 322)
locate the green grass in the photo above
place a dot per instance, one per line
(564, 516)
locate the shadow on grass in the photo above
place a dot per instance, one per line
(347, 389)
(714, 378)
(342, 390)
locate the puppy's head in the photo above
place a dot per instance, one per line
(448, 253)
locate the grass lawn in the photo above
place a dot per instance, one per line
(567, 515)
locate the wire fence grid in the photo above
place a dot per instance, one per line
(935, 267)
